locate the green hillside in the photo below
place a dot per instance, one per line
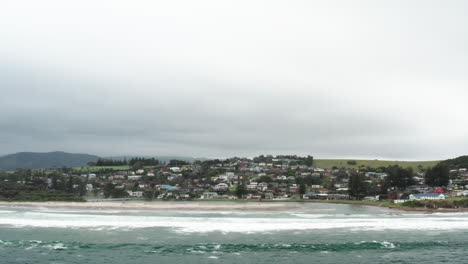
(340, 163)
(38, 160)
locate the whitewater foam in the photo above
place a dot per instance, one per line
(231, 224)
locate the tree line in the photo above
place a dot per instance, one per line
(113, 162)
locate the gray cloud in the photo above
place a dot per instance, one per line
(369, 79)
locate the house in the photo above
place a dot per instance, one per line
(135, 194)
(309, 195)
(294, 188)
(458, 193)
(419, 188)
(269, 195)
(227, 177)
(209, 195)
(221, 187)
(175, 169)
(252, 186)
(371, 198)
(262, 186)
(253, 196)
(167, 187)
(174, 176)
(336, 196)
(426, 196)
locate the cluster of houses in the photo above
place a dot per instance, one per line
(277, 178)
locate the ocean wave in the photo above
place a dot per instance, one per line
(203, 248)
(227, 224)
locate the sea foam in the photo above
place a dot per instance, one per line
(233, 223)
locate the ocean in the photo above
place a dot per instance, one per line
(310, 233)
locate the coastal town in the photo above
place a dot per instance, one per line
(282, 177)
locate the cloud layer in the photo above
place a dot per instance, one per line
(361, 79)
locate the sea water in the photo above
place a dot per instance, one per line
(309, 233)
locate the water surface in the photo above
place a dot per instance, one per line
(321, 233)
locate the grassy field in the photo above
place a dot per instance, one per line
(340, 163)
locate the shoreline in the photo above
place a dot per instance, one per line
(163, 205)
(215, 205)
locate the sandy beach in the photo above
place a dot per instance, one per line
(157, 205)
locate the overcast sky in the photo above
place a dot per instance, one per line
(333, 79)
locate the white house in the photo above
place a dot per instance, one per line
(135, 194)
(227, 177)
(209, 195)
(426, 196)
(262, 186)
(221, 187)
(175, 169)
(252, 186)
(460, 193)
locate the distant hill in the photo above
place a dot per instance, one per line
(60, 159)
(37, 160)
(456, 163)
(356, 163)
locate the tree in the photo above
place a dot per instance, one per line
(108, 190)
(151, 194)
(119, 193)
(399, 177)
(240, 190)
(309, 160)
(266, 179)
(70, 184)
(357, 186)
(177, 163)
(438, 175)
(302, 189)
(137, 165)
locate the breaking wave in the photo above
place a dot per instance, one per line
(233, 223)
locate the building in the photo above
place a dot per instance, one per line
(209, 195)
(426, 196)
(269, 195)
(252, 186)
(221, 187)
(135, 194)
